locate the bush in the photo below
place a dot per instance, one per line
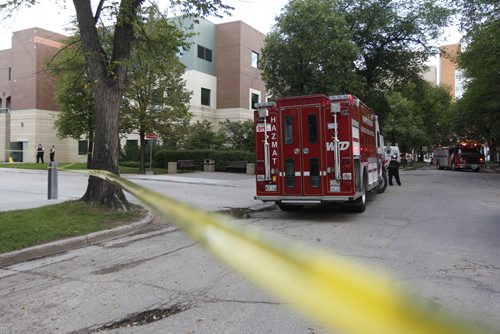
(162, 157)
(129, 163)
(130, 151)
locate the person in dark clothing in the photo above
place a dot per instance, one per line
(40, 150)
(394, 169)
(52, 153)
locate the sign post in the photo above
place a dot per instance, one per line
(152, 137)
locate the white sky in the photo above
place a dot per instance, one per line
(259, 14)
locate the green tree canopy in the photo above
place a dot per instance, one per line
(201, 136)
(155, 98)
(309, 51)
(479, 107)
(76, 117)
(363, 47)
(238, 135)
(419, 114)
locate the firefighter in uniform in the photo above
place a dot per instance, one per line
(394, 169)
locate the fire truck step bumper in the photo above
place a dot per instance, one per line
(305, 201)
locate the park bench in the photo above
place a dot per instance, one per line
(236, 166)
(186, 164)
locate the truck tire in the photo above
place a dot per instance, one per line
(476, 169)
(383, 184)
(359, 204)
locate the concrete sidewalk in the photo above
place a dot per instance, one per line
(216, 184)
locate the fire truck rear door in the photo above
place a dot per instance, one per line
(302, 151)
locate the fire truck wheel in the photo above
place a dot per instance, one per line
(383, 184)
(287, 207)
(476, 169)
(359, 204)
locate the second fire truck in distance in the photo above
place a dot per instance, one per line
(317, 149)
(466, 155)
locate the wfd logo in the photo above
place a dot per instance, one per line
(343, 145)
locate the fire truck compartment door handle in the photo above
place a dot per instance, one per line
(305, 150)
(296, 150)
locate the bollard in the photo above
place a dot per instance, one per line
(52, 189)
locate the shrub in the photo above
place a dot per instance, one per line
(198, 156)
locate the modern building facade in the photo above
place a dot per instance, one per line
(28, 108)
(221, 72)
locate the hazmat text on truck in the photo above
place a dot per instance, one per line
(317, 149)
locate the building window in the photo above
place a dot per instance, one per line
(205, 97)
(255, 59)
(156, 98)
(204, 53)
(10, 73)
(83, 146)
(255, 100)
(7, 104)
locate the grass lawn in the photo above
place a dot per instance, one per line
(24, 228)
(123, 169)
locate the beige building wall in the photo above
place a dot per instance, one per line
(448, 67)
(430, 75)
(195, 80)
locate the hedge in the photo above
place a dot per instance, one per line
(162, 157)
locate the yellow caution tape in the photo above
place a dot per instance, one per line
(339, 294)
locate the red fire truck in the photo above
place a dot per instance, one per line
(316, 150)
(466, 155)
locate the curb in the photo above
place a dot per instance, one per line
(59, 246)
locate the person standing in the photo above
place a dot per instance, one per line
(394, 169)
(52, 153)
(40, 150)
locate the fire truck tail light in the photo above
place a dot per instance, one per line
(274, 171)
(259, 167)
(346, 176)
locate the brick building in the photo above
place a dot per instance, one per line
(221, 72)
(449, 75)
(26, 98)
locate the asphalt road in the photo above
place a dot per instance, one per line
(438, 235)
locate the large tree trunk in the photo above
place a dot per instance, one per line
(108, 76)
(106, 150)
